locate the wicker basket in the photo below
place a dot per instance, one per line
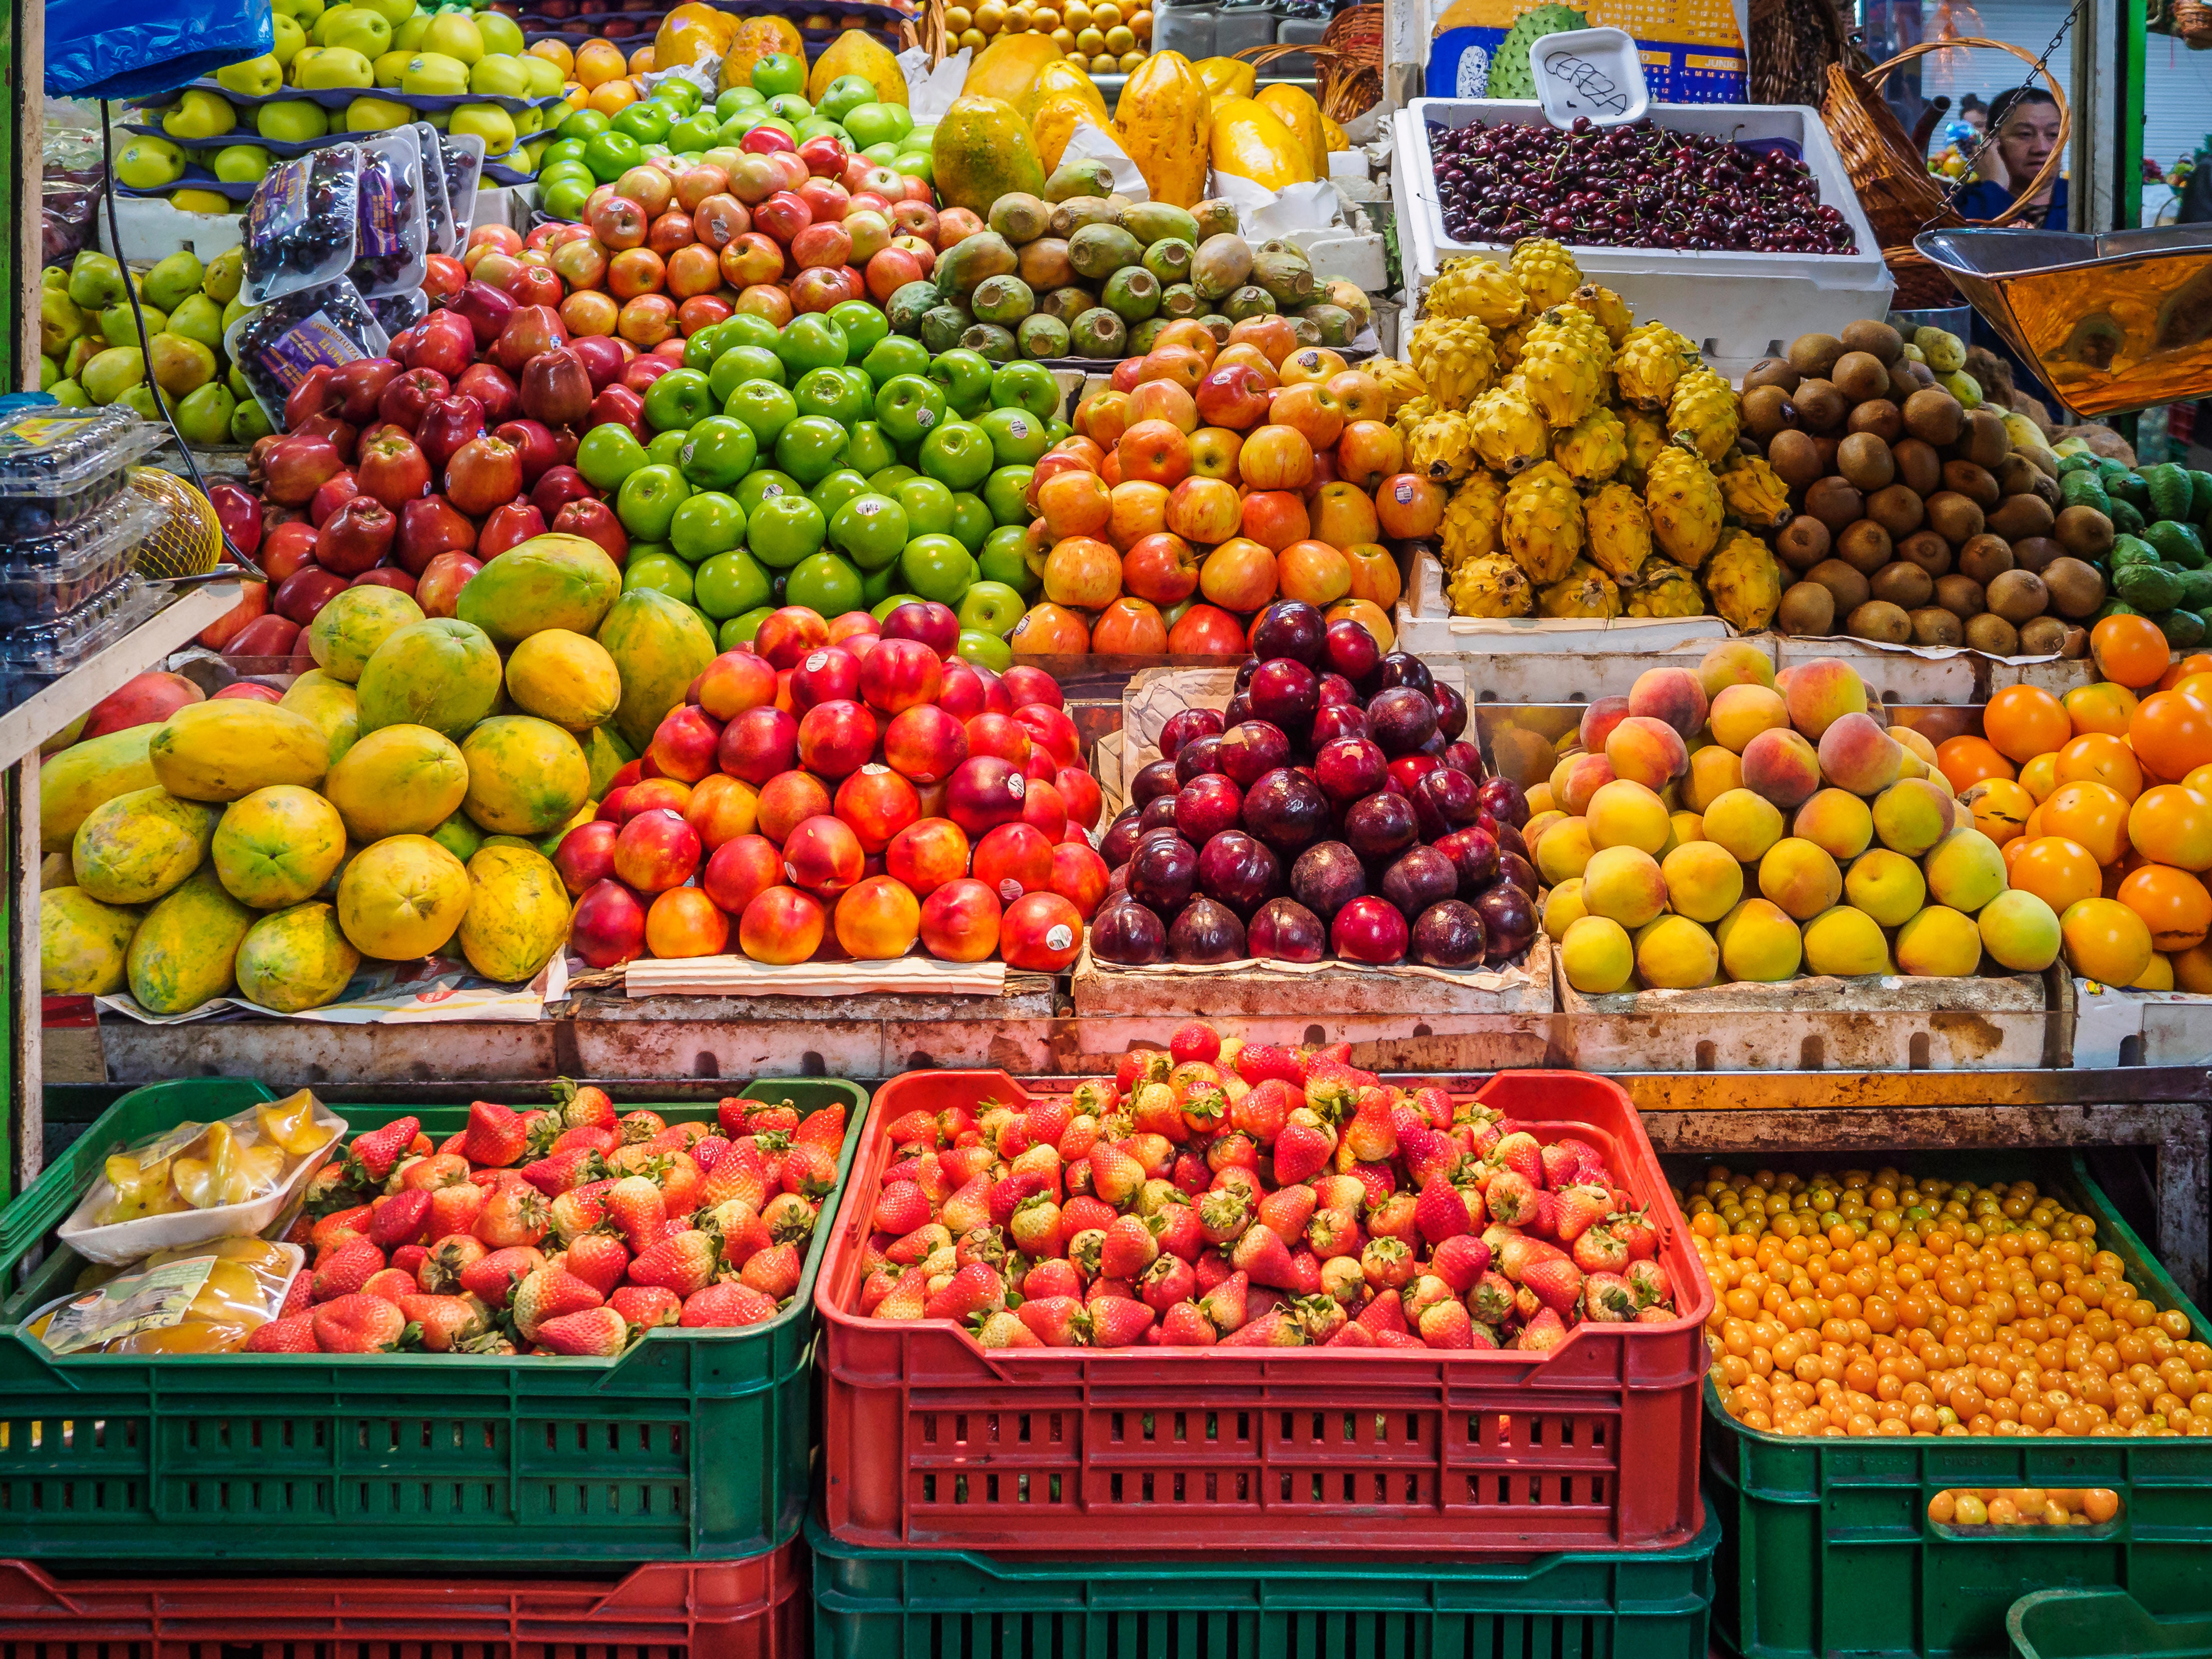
(1347, 63)
(1901, 198)
(2193, 23)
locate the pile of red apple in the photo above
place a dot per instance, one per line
(834, 792)
(1334, 809)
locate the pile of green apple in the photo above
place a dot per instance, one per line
(832, 464)
(393, 54)
(88, 343)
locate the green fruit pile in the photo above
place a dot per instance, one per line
(89, 352)
(832, 465)
(2154, 522)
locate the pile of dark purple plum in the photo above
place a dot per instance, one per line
(1335, 809)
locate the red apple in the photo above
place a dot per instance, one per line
(297, 467)
(305, 592)
(445, 344)
(556, 487)
(407, 396)
(386, 576)
(145, 699)
(492, 386)
(357, 536)
(603, 361)
(428, 527)
(595, 521)
(394, 469)
(482, 474)
(289, 547)
(533, 442)
(619, 406)
(437, 589)
(360, 386)
(485, 309)
(334, 492)
(446, 425)
(508, 524)
(532, 331)
(556, 388)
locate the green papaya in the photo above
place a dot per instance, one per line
(2126, 517)
(660, 646)
(2177, 544)
(2148, 587)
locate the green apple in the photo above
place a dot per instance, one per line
(526, 125)
(198, 318)
(488, 122)
(658, 573)
(394, 12)
(291, 121)
(985, 650)
(168, 282)
(871, 530)
(761, 483)
(376, 115)
(779, 74)
(825, 583)
(199, 114)
(564, 198)
(390, 68)
(1004, 559)
(730, 584)
(407, 33)
(434, 73)
(845, 94)
(786, 529)
(357, 28)
(972, 523)
(839, 487)
(648, 499)
(302, 12)
(257, 77)
(204, 416)
(738, 630)
(704, 525)
(332, 68)
(990, 607)
(543, 74)
(870, 123)
(496, 75)
(498, 32)
(456, 35)
(148, 163)
(937, 568)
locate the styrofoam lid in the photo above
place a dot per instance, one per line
(1596, 73)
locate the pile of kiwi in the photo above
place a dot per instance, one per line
(1917, 523)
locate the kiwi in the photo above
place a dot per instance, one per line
(1865, 461)
(1766, 410)
(1825, 445)
(1983, 440)
(1985, 558)
(1991, 633)
(1880, 622)
(1848, 584)
(1904, 584)
(1954, 518)
(1771, 371)
(1897, 509)
(1919, 468)
(1927, 550)
(1805, 608)
(2076, 589)
(1933, 417)
(1961, 596)
(2016, 475)
(2035, 553)
(1814, 354)
(2046, 489)
(1820, 406)
(1864, 546)
(2043, 636)
(1976, 482)
(1793, 456)
(2083, 531)
(1860, 375)
(2018, 595)
(1879, 415)
(2016, 516)
(1803, 543)
(1935, 627)
(1877, 339)
(1834, 503)
(1901, 383)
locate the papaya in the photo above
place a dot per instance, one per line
(857, 52)
(518, 913)
(329, 703)
(400, 780)
(983, 150)
(564, 676)
(1054, 123)
(73, 783)
(346, 632)
(184, 953)
(548, 582)
(690, 35)
(55, 870)
(659, 646)
(442, 672)
(1248, 140)
(81, 943)
(525, 775)
(1225, 77)
(459, 837)
(138, 846)
(1295, 108)
(1163, 122)
(550, 842)
(295, 958)
(1007, 70)
(1061, 78)
(757, 38)
(1334, 136)
(402, 898)
(277, 846)
(231, 746)
(606, 754)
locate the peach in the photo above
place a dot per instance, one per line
(684, 922)
(1075, 503)
(1313, 571)
(1041, 932)
(999, 736)
(1014, 859)
(927, 853)
(1837, 822)
(1586, 775)
(836, 738)
(1214, 452)
(1734, 662)
(1239, 575)
(1821, 692)
(1703, 882)
(1857, 755)
(1277, 458)
(1647, 752)
(787, 637)
(1141, 509)
(740, 871)
(1598, 721)
(1742, 825)
(1624, 885)
(1204, 510)
(1911, 816)
(1673, 695)
(1164, 400)
(1624, 813)
(1713, 772)
(877, 919)
(1800, 877)
(782, 926)
(649, 792)
(878, 803)
(788, 799)
(1344, 515)
(1781, 766)
(1157, 451)
(722, 809)
(1409, 505)
(960, 921)
(1274, 518)
(822, 854)
(682, 746)
(656, 850)
(1741, 713)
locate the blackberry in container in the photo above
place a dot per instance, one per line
(52, 576)
(58, 466)
(439, 229)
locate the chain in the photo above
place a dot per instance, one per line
(2039, 70)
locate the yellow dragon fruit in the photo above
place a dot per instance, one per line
(1619, 530)
(1663, 589)
(1509, 344)
(1410, 414)
(1401, 382)
(1754, 492)
(1651, 360)
(1543, 522)
(1492, 586)
(1613, 314)
(1546, 271)
(1744, 581)
(1592, 449)
(1571, 322)
(1508, 434)
(1584, 591)
(1684, 500)
(1442, 447)
(1645, 438)
(1455, 359)
(1563, 379)
(1705, 406)
(1471, 519)
(1478, 288)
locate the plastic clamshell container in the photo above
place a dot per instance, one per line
(1734, 306)
(59, 465)
(691, 1445)
(1826, 1546)
(752, 1608)
(2090, 1624)
(59, 644)
(46, 576)
(877, 1604)
(930, 1442)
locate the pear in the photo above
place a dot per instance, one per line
(235, 379)
(113, 373)
(243, 164)
(169, 282)
(82, 351)
(50, 372)
(333, 69)
(290, 37)
(54, 276)
(61, 321)
(226, 274)
(139, 399)
(247, 423)
(200, 114)
(120, 327)
(204, 416)
(70, 395)
(232, 309)
(376, 115)
(181, 364)
(96, 281)
(198, 318)
(257, 77)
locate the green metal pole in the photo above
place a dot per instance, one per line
(2128, 113)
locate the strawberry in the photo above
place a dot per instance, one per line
(1047, 1120)
(637, 1209)
(599, 1259)
(969, 1207)
(1194, 1040)
(810, 1170)
(1035, 1226)
(564, 1171)
(1127, 1249)
(1183, 1326)
(1056, 1277)
(900, 1208)
(1223, 1216)
(1490, 1301)
(1395, 1217)
(1542, 1333)
(1121, 1288)
(294, 1335)
(399, 1218)
(1083, 1214)
(1578, 1209)
(684, 1263)
(1435, 1104)
(961, 1164)
(1116, 1177)
(773, 1271)
(514, 1214)
(1204, 1105)
(1351, 1335)
(1383, 1313)
(727, 1303)
(1001, 1328)
(453, 1210)
(1084, 1251)
(1263, 1062)
(441, 1272)
(443, 1323)
(646, 1306)
(1269, 1330)
(1320, 1316)
(547, 1294)
(1225, 1305)
(1556, 1280)
(917, 1245)
(1287, 1211)
(1517, 1251)
(1430, 1154)
(1174, 1225)
(1332, 1091)
(1446, 1325)
(1003, 1197)
(1118, 1322)
(1303, 1147)
(1460, 1262)
(430, 1174)
(1634, 1230)
(985, 1245)
(1608, 1299)
(1510, 1198)
(579, 1211)
(1648, 1281)
(1333, 1233)
(588, 1139)
(1167, 1281)
(1561, 1165)
(595, 1333)
(707, 1149)
(643, 1125)
(976, 1289)
(1600, 1250)
(823, 1128)
(740, 1173)
(491, 1278)
(496, 1136)
(1519, 1152)
(339, 1226)
(391, 1284)
(1059, 1322)
(1305, 1272)
(373, 1154)
(411, 1259)
(1440, 1212)
(1387, 1264)
(358, 1324)
(1141, 1066)
(580, 1103)
(1262, 1256)
(1263, 1110)
(343, 1271)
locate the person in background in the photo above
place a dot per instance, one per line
(2026, 123)
(1975, 113)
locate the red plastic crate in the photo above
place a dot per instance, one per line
(930, 1442)
(755, 1608)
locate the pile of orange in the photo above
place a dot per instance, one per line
(2023, 1506)
(2101, 802)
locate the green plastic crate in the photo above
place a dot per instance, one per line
(1827, 1549)
(886, 1604)
(2101, 1625)
(692, 1444)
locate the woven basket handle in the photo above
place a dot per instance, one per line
(2051, 163)
(1261, 56)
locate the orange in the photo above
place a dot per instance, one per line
(640, 61)
(2130, 651)
(2040, 776)
(597, 62)
(2198, 662)
(2171, 732)
(2033, 826)
(2023, 721)
(611, 97)
(2197, 685)
(2158, 976)
(2091, 813)
(2011, 851)
(2173, 903)
(557, 53)
(2057, 870)
(1966, 760)
(2200, 777)
(2103, 707)
(2192, 970)
(2104, 940)
(2100, 758)
(2000, 807)
(2171, 824)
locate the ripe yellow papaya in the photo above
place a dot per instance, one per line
(1251, 143)
(1162, 121)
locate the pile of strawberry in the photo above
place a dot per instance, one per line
(567, 1230)
(1254, 1196)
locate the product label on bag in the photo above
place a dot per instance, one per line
(151, 1299)
(379, 221)
(314, 341)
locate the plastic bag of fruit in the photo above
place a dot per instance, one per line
(197, 1299)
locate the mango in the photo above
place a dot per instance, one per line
(659, 645)
(1940, 942)
(329, 703)
(1675, 954)
(278, 845)
(182, 953)
(138, 846)
(1845, 941)
(229, 747)
(564, 676)
(440, 672)
(1597, 955)
(548, 582)
(1800, 877)
(402, 898)
(518, 913)
(1626, 814)
(983, 150)
(525, 775)
(1164, 121)
(1624, 885)
(1759, 943)
(399, 781)
(2020, 931)
(1888, 886)
(81, 943)
(1703, 883)
(80, 777)
(346, 632)
(296, 959)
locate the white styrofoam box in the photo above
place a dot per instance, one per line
(1353, 256)
(1735, 307)
(1424, 624)
(153, 230)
